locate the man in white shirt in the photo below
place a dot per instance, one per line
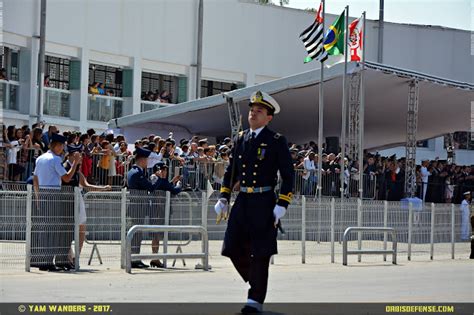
(53, 207)
(424, 176)
(154, 158)
(119, 139)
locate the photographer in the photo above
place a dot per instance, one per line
(161, 178)
(141, 203)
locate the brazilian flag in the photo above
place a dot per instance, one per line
(334, 39)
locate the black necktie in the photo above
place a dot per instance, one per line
(250, 142)
(252, 138)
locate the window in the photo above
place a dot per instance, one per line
(10, 62)
(461, 140)
(111, 77)
(153, 84)
(58, 71)
(422, 144)
(209, 88)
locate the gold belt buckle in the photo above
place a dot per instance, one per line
(250, 190)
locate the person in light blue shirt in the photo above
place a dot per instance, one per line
(52, 207)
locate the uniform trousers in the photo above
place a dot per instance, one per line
(255, 271)
(145, 209)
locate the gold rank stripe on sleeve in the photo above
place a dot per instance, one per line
(285, 198)
(225, 190)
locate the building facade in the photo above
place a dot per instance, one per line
(134, 47)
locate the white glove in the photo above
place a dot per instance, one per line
(221, 208)
(179, 184)
(278, 213)
(153, 178)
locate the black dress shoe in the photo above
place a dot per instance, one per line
(66, 266)
(48, 268)
(247, 309)
(139, 264)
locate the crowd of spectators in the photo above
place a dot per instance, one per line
(157, 96)
(107, 158)
(384, 177)
(98, 88)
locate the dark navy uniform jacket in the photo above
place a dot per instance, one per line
(257, 163)
(143, 202)
(136, 179)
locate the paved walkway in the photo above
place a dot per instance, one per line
(416, 281)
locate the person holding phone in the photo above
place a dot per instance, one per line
(142, 203)
(157, 216)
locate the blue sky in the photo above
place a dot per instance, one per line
(450, 13)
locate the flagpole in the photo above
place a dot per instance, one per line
(344, 102)
(361, 114)
(321, 115)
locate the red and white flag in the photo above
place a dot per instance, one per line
(355, 39)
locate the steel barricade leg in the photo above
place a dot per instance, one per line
(167, 222)
(205, 247)
(432, 231)
(303, 229)
(344, 249)
(394, 247)
(333, 215)
(123, 227)
(128, 249)
(410, 228)
(359, 224)
(77, 196)
(29, 201)
(453, 217)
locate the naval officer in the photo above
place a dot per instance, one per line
(257, 156)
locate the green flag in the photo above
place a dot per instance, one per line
(334, 39)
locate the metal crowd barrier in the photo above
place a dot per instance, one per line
(204, 255)
(111, 214)
(423, 231)
(360, 251)
(106, 169)
(306, 183)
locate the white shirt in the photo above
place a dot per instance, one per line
(117, 148)
(308, 167)
(257, 131)
(178, 150)
(13, 152)
(49, 170)
(153, 159)
(424, 174)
